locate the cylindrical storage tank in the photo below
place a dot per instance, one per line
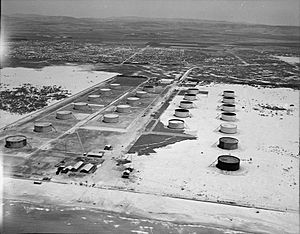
(17, 141)
(105, 92)
(141, 94)
(115, 86)
(176, 124)
(228, 116)
(93, 98)
(64, 115)
(203, 92)
(229, 100)
(83, 106)
(228, 143)
(228, 107)
(123, 108)
(228, 93)
(228, 128)
(149, 88)
(182, 113)
(133, 101)
(228, 163)
(111, 118)
(192, 91)
(186, 104)
(42, 127)
(190, 97)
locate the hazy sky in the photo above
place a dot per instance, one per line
(274, 12)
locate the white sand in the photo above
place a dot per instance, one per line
(291, 60)
(72, 78)
(270, 180)
(155, 207)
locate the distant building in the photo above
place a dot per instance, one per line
(77, 166)
(87, 168)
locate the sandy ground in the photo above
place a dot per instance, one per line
(269, 175)
(155, 207)
(268, 149)
(64, 76)
(291, 60)
(267, 183)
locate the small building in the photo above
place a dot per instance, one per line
(87, 168)
(166, 81)
(94, 154)
(108, 147)
(126, 174)
(77, 166)
(66, 169)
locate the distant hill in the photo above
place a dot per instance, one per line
(23, 26)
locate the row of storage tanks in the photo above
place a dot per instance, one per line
(132, 101)
(228, 162)
(225, 162)
(19, 141)
(184, 106)
(109, 117)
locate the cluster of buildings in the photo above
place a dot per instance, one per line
(164, 56)
(68, 51)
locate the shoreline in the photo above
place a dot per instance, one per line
(154, 207)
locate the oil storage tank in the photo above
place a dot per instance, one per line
(176, 124)
(228, 116)
(123, 108)
(93, 98)
(190, 97)
(82, 106)
(193, 91)
(228, 128)
(133, 101)
(182, 113)
(111, 118)
(63, 115)
(228, 163)
(228, 143)
(186, 104)
(16, 141)
(141, 94)
(149, 88)
(105, 92)
(228, 107)
(229, 100)
(115, 86)
(228, 93)
(43, 127)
